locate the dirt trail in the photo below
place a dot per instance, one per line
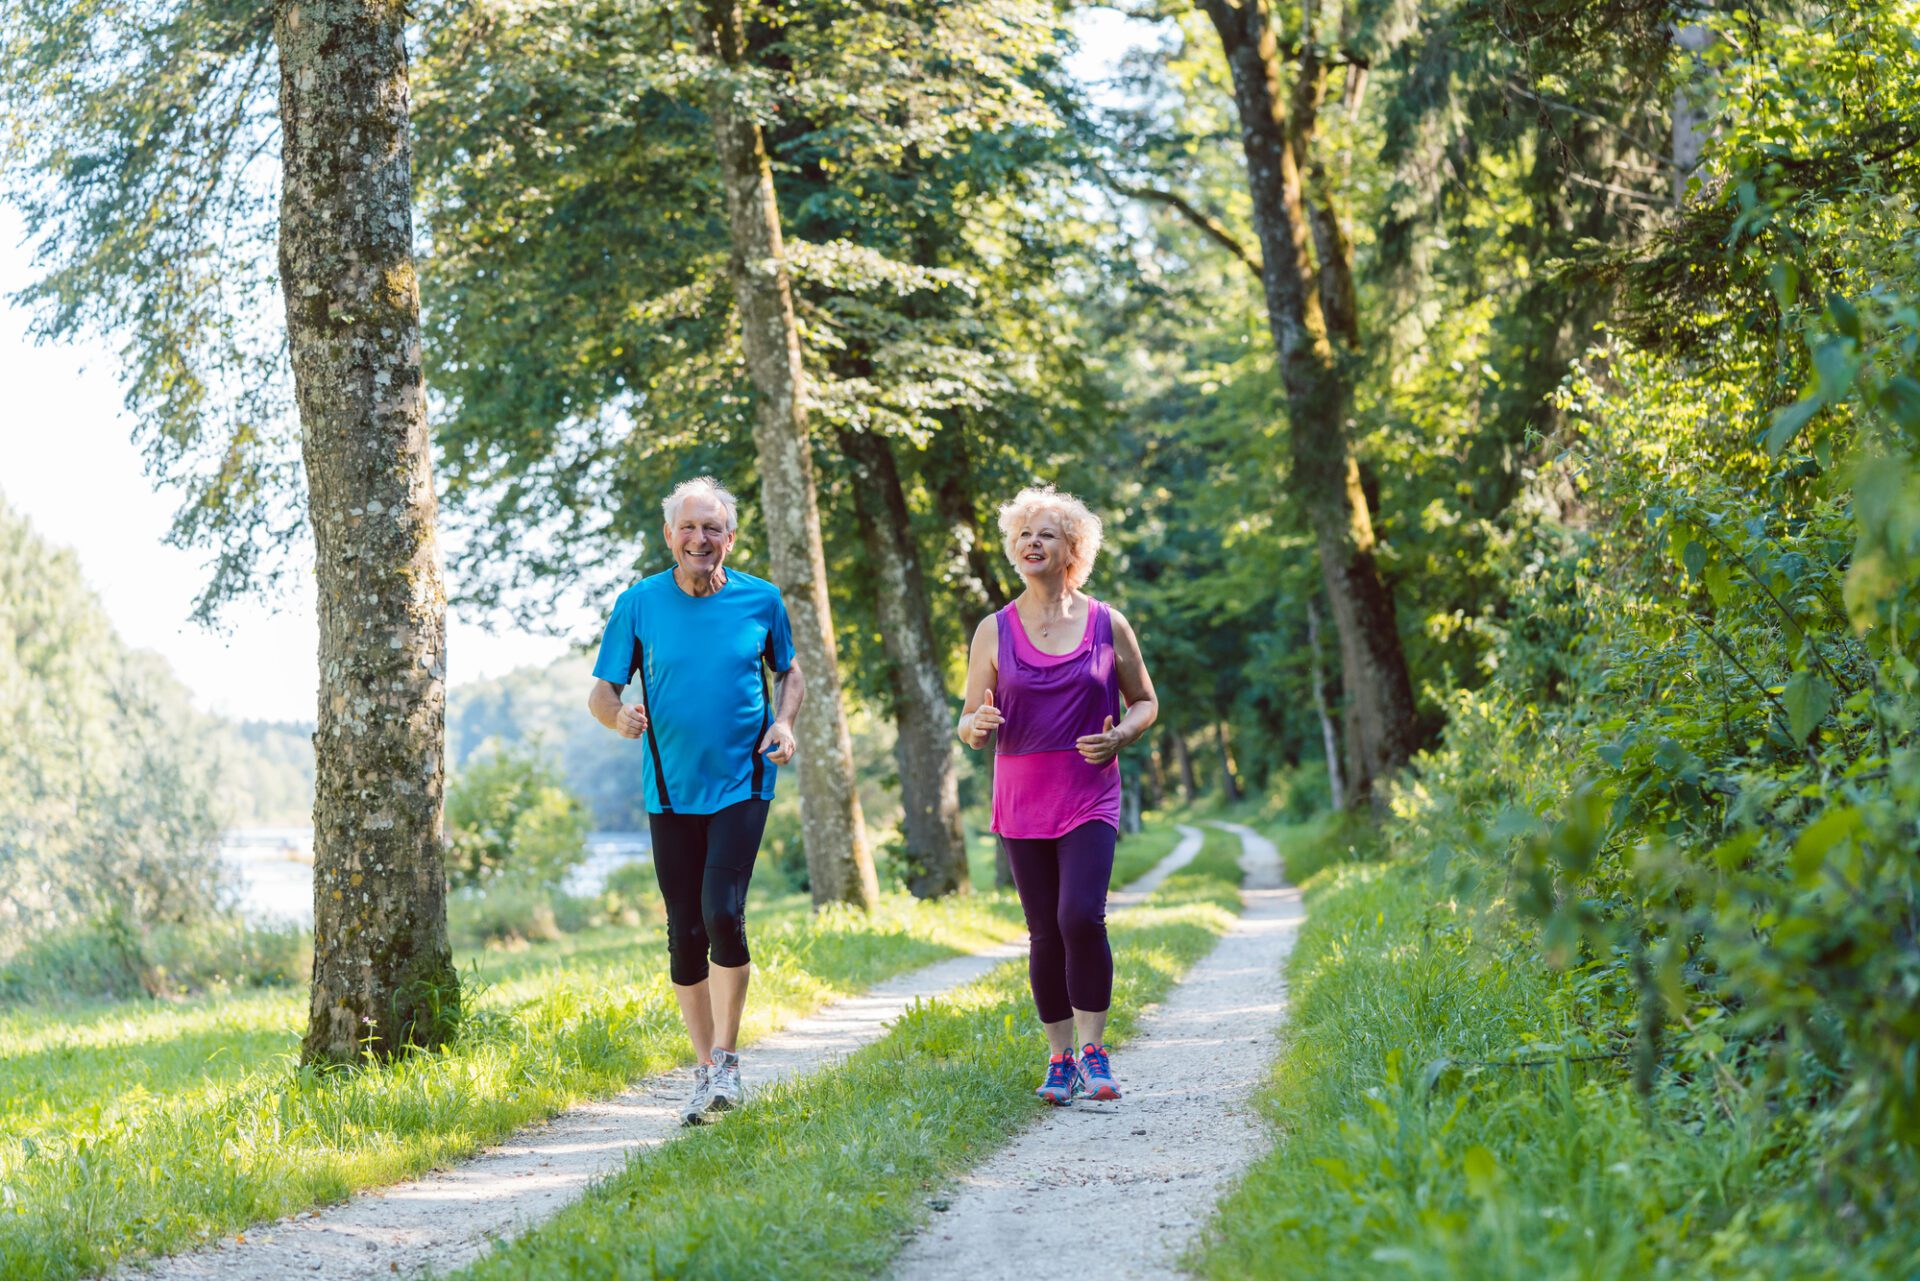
(1121, 1190)
(452, 1216)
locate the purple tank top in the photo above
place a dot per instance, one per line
(1042, 787)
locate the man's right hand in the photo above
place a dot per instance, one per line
(632, 721)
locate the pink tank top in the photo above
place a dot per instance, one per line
(1042, 787)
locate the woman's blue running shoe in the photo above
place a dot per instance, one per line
(1094, 1080)
(1062, 1072)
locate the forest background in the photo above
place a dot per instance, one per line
(1608, 321)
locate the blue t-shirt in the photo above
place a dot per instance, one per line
(697, 663)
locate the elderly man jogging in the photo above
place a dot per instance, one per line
(695, 644)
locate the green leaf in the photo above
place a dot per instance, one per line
(1807, 698)
(1786, 283)
(1837, 360)
(1787, 423)
(1481, 1169)
(1719, 583)
(1845, 318)
(1901, 400)
(1810, 849)
(1695, 558)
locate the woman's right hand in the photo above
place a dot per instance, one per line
(984, 720)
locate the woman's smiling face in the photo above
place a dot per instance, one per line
(1041, 545)
(699, 536)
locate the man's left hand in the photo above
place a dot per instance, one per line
(779, 745)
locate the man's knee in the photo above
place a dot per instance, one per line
(687, 952)
(727, 928)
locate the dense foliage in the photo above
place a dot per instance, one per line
(509, 815)
(106, 805)
(1707, 798)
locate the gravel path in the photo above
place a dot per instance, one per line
(452, 1216)
(1121, 1190)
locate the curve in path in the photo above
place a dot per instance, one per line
(452, 1216)
(1126, 1187)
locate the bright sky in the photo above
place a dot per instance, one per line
(68, 462)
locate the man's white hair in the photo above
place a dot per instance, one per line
(700, 485)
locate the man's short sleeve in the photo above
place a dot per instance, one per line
(615, 663)
(780, 636)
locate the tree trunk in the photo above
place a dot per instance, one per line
(1129, 798)
(975, 552)
(383, 975)
(839, 865)
(1329, 738)
(1326, 479)
(1229, 782)
(1184, 758)
(929, 794)
(1689, 128)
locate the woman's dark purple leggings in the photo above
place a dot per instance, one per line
(1063, 889)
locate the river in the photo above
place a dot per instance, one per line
(272, 869)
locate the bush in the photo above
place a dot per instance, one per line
(508, 913)
(113, 959)
(510, 813)
(783, 846)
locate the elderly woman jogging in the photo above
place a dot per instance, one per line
(1046, 677)
(696, 642)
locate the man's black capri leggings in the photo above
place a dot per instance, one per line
(703, 863)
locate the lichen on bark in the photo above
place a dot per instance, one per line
(383, 975)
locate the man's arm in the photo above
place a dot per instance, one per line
(789, 691)
(628, 721)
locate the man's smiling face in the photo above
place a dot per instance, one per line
(699, 537)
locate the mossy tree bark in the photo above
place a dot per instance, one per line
(936, 848)
(383, 975)
(839, 865)
(1310, 306)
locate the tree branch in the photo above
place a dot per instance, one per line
(1212, 227)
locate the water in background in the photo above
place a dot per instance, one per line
(271, 869)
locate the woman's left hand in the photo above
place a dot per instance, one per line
(779, 745)
(1098, 749)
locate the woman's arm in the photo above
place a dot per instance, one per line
(978, 716)
(1136, 689)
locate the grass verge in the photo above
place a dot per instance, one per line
(819, 1178)
(1432, 1123)
(129, 1128)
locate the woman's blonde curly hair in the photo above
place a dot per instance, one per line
(1078, 525)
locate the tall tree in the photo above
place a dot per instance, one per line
(383, 975)
(579, 282)
(839, 865)
(936, 846)
(1306, 274)
(149, 142)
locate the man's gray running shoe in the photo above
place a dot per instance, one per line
(723, 1082)
(694, 1110)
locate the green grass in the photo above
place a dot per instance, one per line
(135, 1127)
(1320, 842)
(1399, 1156)
(861, 1148)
